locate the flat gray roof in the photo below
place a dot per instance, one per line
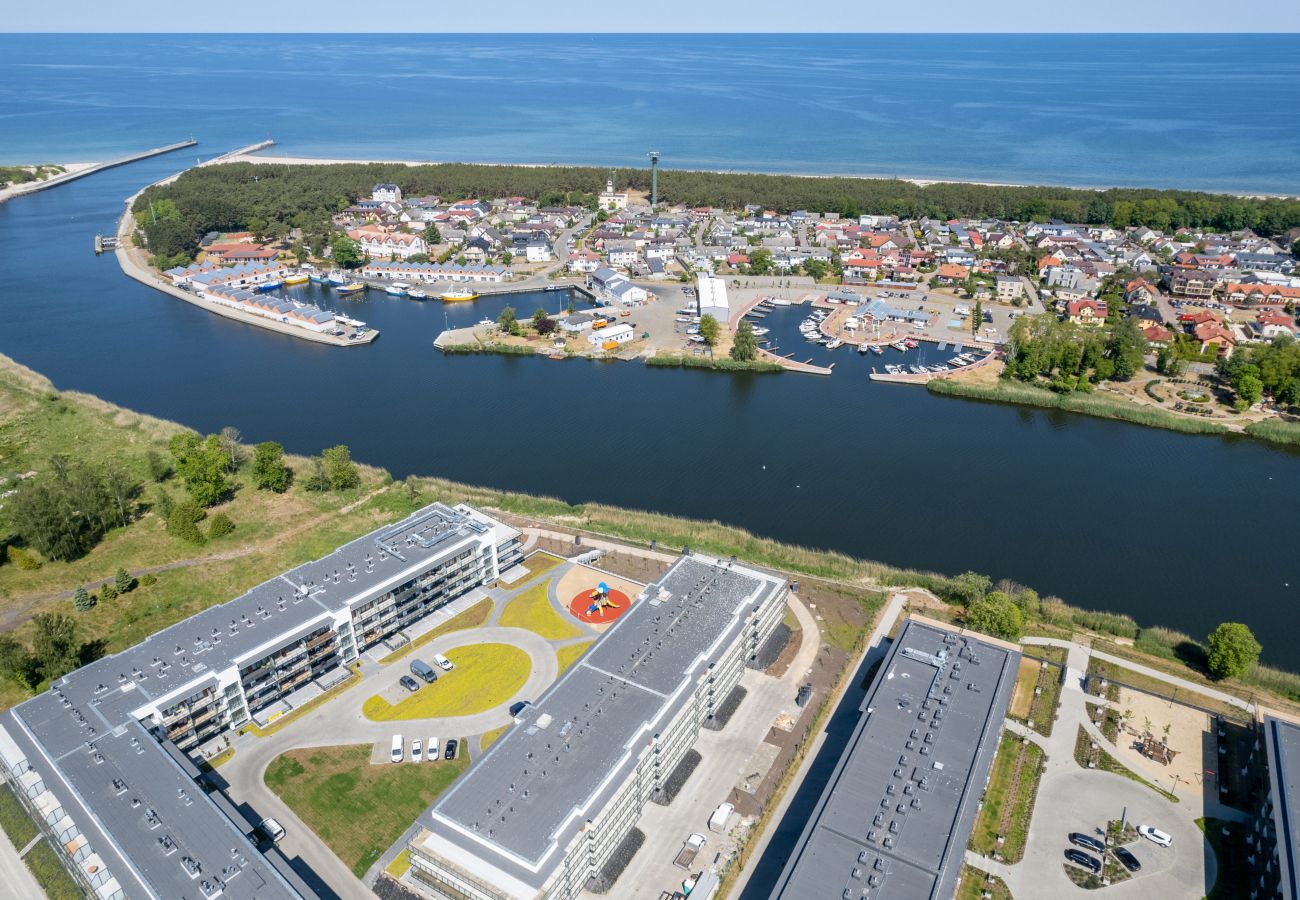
(519, 806)
(82, 734)
(1283, 740)
(897, 813)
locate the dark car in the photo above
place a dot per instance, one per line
(517, 708)
(1089, 862)
(1128, 860)
(451, 749)
(1088, 841)
(409, 683)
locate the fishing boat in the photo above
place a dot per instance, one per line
(416, 294)
(397, 288)
(297, 279)
(878, 350)
(266, 286)
(899, 346)
(337, 278)
(352, 288)
(317, 278)
(459, 295)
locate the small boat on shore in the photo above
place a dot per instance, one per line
(352, 288)
(459, 295)
(397, 288)
(297, 279)
(416, 294)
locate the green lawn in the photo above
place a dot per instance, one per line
(532, 610)
(570, 653)
(43, 862)
(486, 675)
(974, 883)
(489, 737)
(540, 563)
(354, 807)
(1009, 799)
(14, 819)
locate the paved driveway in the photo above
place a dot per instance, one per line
(1083, 800)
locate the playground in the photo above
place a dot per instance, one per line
(595, 598)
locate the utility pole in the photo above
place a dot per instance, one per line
(654, 178)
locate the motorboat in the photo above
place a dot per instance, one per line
(397, 288)
(416, 294)
(297, 279)
(459, 295)
(351, 288)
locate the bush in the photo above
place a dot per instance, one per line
(182, 523)
(148, 579)
(108, 593)
(22, 559)
(82, 600)
(1117, 624)
(1162, 642)
(996, 614)
(220, 526)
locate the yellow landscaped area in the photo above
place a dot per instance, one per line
(486, 675)
(569, 653)
(532, 610)
(540, 563)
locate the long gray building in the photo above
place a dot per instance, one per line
(99, 761)
(895, 818)
(1277, 828)
(541, 813)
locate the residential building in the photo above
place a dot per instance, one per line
(1087, 312)
(548, 805)
(1253, 294)
(1009, 288)
(611, 334)
(611, 199)
(1217, 337)
(380, 243)
(386, 193)
(897, 813)
(99, 759)
(1191, 284)
(615, 287)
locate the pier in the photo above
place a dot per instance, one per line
(32, 187)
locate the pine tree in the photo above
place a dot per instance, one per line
(123, 581)
(82, 600)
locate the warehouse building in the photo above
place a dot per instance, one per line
(711, 294)
(543, 811)
(896, 815)
(98, 759)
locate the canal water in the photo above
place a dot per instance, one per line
(1173, 529)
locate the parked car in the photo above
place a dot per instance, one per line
(443, 662)
(417, 750)
(451, 749)
(1127, 859)
(1087, 860)
(424, 670)
(517, 708)
(1087, 841)
(396, 753)
(1155, 835)
(272, 830)
(409, 683)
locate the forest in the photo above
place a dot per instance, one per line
(274, 198)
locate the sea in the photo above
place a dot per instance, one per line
(1177, 530)
(1206, 112)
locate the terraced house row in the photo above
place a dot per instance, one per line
(99, 759)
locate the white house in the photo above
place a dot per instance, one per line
(386, 193)
(379, 244)
(611, 199)
(623, 257)
(614, 286)
(712, 294)
(537, 253)
(618, 334)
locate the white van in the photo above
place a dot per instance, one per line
(396, 753)
(415, 750)
(443, 662)
(718, 821)
(432, 754)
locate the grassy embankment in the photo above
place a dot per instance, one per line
(1100, 759)
(721, 364)
(1274, 431)
(358, 809)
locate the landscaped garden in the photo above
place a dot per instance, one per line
(486, 675)
(570, 654)
(356, 808)
(1009, 800)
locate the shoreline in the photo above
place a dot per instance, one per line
(30, 187)
(919, 181)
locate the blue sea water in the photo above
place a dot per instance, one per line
(1214, 112)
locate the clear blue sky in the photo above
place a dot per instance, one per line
(652, 16)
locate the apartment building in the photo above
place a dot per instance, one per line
(545, 809)
(99, 759)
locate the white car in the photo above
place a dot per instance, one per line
(1155, 835)
(443, 662)
(433, 745)
(416, 750)
(395, 754)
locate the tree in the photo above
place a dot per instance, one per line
(1249, 389)
(996, 614)
(967, 587)
(122, 488)
(709, 329)
(1232, 650)
(546, 326)
(108, 593)
(16, 664)
(269, 470)
(745, 347)
(63, 512)
(82, 600)
(345, 252)
(760, 261)
(229, 440)
(159, 468)
(507, 320)
(202, 465)
(54, 644)
(220, 526)
(538, 317)
(123, 581)
(815, 269)
(977, 318)
(340, 471)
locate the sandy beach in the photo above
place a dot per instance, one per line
(17, 190)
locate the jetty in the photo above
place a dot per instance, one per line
(32, 187)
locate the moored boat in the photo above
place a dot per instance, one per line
(878, 350)
(459, 295)
(352, 288)
(416, 294)
(296, 279)
(266, 286)
(337, 278)
(397, 288)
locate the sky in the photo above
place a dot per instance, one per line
(602, 16)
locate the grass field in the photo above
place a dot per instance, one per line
(974, 883)
(541, 563)
(354, 807)
(489, 737)
(473, 617)
(486, 675)
(532, 610)
(570, 653)
(1023, 694)
(1009, 800)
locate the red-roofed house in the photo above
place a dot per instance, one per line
(1087, 311)
(378, 243)
(1251, 294)
(950, 273)
(240, 252)
(1213, 334)
(1139, 290)
(1157, 336)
